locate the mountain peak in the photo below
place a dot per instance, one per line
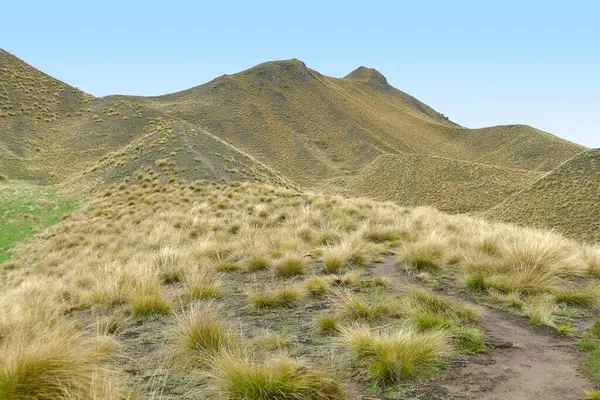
(371, 76)
(276, 71)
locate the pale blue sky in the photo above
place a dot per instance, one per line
(479, 62)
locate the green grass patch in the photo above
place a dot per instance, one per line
(26, 209)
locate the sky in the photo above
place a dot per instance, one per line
(481, 63)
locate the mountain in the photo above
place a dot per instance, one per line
(566, 199)
(279, 122)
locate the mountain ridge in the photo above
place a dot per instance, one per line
(279, 122)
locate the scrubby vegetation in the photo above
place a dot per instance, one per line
(142, 265)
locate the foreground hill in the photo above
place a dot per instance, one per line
(566, 199)
(245, 291)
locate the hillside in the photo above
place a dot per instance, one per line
(446, 184)
(566, 199)
(313, 127)
(279, 122)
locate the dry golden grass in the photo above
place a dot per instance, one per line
(396, 356)
(241, 378)
(58, 365)
(137, 264)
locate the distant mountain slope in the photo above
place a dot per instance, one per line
(277, 122)
(449, 185)
(567, 199)
(312, 127)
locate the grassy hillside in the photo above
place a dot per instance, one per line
(312, 127)
(244, 291)
(446, 184)
(567, 199)
(278, 122)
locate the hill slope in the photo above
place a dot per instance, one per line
(278, 122)
(312, 127)
(567, 199)
(449, 185)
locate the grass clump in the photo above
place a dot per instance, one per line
(273, 341)
(425, 302)
(590, 364)
(257, 264)
(202, 283)
(424, 321)
(352, 306)
(540, 311)
(200, 331)
(592, 394)
(226, 266)
(351, 251)
(147, 297)
(275, 297)
(242, 378)
(327, 324)
(429, 254)
(290, 265)
(585, 298)
(317, 286)
(170, 262)
(54, 366)
(391, 358)
(352, 278)
(595, 328)
(468, 339)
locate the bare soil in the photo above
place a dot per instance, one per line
(522, 362)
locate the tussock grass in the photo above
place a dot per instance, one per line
(533, 261)
(242, 378)
(135, 248)
(381, 280)
(290, 265)
(352, 306)
(272, 341)
(352, 278)
(429, 254)
(592, 394)
(582, 297)
(257, 263)
(590, 364)
(226, 266)
(427, 303)
(391, 358)
(540, 311)
(202, 283)
(201, 332)
(275, 297)
(351, 251)
(59, 365)
(147, 296)
(468, 339)
(591, 258)
(317, 286)
(171, 263)
(595, 328)
(326, 323)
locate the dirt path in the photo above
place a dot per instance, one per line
(540, 366)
